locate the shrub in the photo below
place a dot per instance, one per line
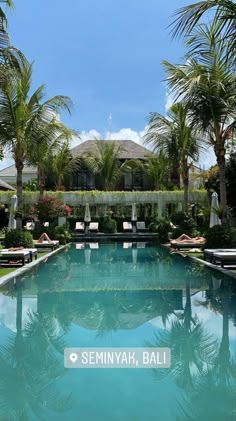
(185, 225)
(109, 225)
(40, 229)
(62, 234)
(16, 238)
(221, 236)
(162, 228)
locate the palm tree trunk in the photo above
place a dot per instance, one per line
(19, 192)
(220, 154)
(185, 177)
(41, 181)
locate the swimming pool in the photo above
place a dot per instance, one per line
(118, 295)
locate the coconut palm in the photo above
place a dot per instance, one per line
(63, 165)
(103, 161)
(177, 138)
(4, 39)
(207, 84)
(20, 112)
(48, 152)
(187, 18)
(157, 169)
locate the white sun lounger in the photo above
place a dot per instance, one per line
(209, 253)
(224, 258)
(15, 256)
(127, 226)
(33, 252)
(93, 226)
(141, 226)
(80, 226)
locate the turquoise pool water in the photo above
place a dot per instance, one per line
(118, 295)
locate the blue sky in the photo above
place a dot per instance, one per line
(104, 54)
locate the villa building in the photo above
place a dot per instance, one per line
(130, 180)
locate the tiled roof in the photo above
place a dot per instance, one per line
(130, 149)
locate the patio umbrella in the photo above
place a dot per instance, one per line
(214, 218)
(12, 220)
(87, 216)
(134, 213)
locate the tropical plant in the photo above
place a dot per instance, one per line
(177, 139)
(157, 169)
(103, 161)
(224, 11)
(20, 114)
(50, 152)
(207, 84)
(4, 40)
(63, 165)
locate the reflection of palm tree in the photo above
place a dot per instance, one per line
(192, 350)
(213, 396)
(29, 367)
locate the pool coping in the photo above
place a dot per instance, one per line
(204, 262)
(29, 266)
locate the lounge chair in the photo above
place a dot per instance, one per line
(141, 226)
(30, 226)
(52, 245)
(224, 258)
(141, 245)
(80, 226)
(186, 242)
(20, 256)
(127, 227)
(46, 224)
(93, 227)
(209, 253)
(33, 252)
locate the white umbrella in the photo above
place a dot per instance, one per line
(87, 216)
(12, 220)
(134, 213)
(214, 218)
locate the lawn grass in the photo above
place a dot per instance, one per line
(5, 271)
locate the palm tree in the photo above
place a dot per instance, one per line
(4, 40)
(177, 138)
(208, 85)
(20, 113)
(63, 165)
(157, 169)
(48, 151)
(103, 161)
(187, 18)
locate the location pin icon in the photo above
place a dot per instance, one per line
(73, 357)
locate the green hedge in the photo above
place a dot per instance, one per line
(16, 238)
(221, 236)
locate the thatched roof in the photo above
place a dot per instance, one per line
(5, 186)
(130, 149)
